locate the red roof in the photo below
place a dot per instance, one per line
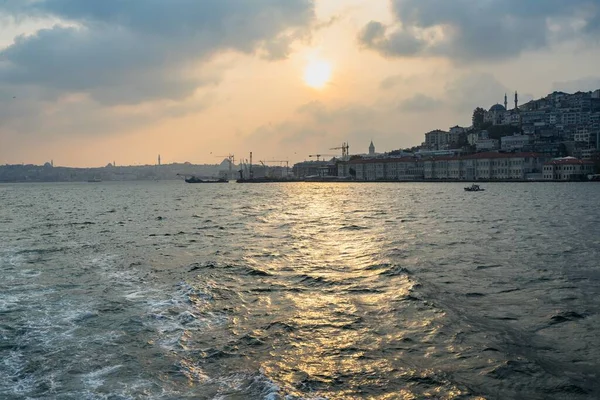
(477, 156)
(491, 154)
(378, 160)
(569, 161)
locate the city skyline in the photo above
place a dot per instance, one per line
(84, 85)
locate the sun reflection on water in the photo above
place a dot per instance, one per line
(325, 309)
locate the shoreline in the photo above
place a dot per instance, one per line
(325, 180)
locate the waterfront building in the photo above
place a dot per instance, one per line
(487, 166)
(404, 168)
(567, 169)
(313, 168)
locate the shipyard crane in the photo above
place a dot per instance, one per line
(287, 164)
(345, 147)
(322, 155)
(231, 159)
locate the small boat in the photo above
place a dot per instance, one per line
(474, 188)
(94, 180)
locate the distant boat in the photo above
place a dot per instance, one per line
(94, 180)
(474, 188)
(195, 179)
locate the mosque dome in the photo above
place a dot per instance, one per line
(497, 108)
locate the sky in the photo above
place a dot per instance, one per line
(85, 83)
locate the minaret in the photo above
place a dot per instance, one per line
(371, 149)
(516, 101)
(159, 159)
(505, 102)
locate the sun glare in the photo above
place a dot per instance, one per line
(317, 74)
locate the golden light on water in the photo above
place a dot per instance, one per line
(317, 74)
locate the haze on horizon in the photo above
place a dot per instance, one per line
(86, 83)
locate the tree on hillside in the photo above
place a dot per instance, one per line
(477, 119)
(498, 131)
(462, 140)
(562, 150)
(596, 160)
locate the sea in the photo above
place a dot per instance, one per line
(168, 290)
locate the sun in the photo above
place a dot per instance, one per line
(317, 74)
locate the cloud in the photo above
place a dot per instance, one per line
(349, 113)
(476, 89)
(586, 84)
(395, 80)
(135, 51)
(420, 103)
(466, 30)
(30, 114)
(319, 127)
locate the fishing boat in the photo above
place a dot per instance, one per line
(474, 188)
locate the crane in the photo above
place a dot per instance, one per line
(231, 159)
(287, 164)
(321, 155)
(345, 147)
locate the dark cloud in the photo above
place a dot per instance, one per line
(420, 103)
(465, 30)
(138, 50)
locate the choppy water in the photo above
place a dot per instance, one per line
(299, 291)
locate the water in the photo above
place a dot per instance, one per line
(299, 291)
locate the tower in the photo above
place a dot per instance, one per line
(505, 102)
(371, 149)
(516, 101)
(159, 159)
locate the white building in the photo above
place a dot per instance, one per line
(486, 166)
(567, 169)
(515, 142)
(370, 169)
(454, 134)
(582, 134)
(486, 144)
(437, 139)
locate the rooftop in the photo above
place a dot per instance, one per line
(569, 161)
